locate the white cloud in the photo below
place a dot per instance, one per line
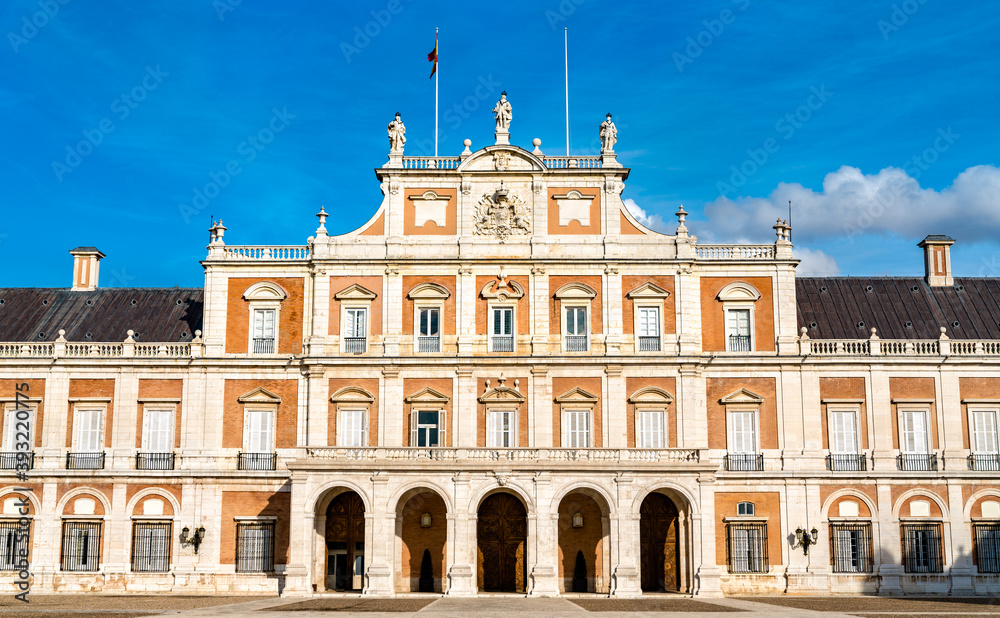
(815, 263)
(852, 204)
(653, 222)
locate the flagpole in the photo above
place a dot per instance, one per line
(437, 77)
(566, 63)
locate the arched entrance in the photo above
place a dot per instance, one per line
(501, 536)
(659, 550)
(422, 533)
(345, 542)
(583, 543)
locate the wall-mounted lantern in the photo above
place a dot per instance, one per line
(426, 520)
(577, 520)
(805, 539)
(195, 539)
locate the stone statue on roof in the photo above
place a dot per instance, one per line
(502, 111)
(397, 135)
(609, 135)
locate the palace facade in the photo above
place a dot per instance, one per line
(504, 382)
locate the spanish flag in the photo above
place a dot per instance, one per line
(433, 56)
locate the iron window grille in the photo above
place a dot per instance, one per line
(154, 461)
(917, 461)
(922, 548)
(746, 545)
(851, 547)
(14, 541)
(576, 343)
(984, 462)
(258, 461)
(355, 345)
(502, 343)
(151, 547)
(263, 345)
(23, 460)
(745, 462)
(81, 546)
(855, 462)
(649, 344)
(255, 547)
(84, 461)
(987, 537)
(429, 344)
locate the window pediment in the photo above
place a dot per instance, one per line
(577, 395)
(502, 290)
(429, 195)
(575, 291)
(260, 395)
(648, 291)
(355, 292)
(428, 396)
(429, 291)
(502, 394)
(651, 395)
(265, 290)
(352, 394)
(742, 396)
(738, 291)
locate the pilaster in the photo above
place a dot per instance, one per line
(543, 579)
(615, 401)
(541, 389)
(625, 581)
(461, 545)
(539, 293)
(613, 307)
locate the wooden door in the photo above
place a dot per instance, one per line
(658, 552)
(345, 531)
(501, 533)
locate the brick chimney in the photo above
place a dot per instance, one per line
(86, 265)
(937, 259)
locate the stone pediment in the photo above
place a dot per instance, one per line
(352, 394)
(651, 394)
(260, 395)
(502, 159)
(355, 292)
(742, 396)
(428, 291)
(428, 395)
(648, 290)
(502, 394)
(576, 395)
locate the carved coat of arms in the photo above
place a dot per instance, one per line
(502, 214)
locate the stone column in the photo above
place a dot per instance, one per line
(116, 528)
(46, 532)
(960, 555)
(466, 310)
(380, 526)
(888, 545)
(541, 427)
(393, 301)
(123, 430)
(316, 341)
(391, 409)
(625, 541)
(691, 408)
(687, 307)
(298, 574)
(544, 573)
(539, 293)
(707, 581)
(880, 408)
(949, 418)
(613, 326)
(465, 412)
(317, 408)
(461, 542)
(56, 420)
(614, 403)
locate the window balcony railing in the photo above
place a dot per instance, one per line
(739, 343)
(502, 343)
(84, 461)
(17, 460)
(576, 343)
(428, 344)
(649, 344)
(258, 461)
(154, 461)
(921, 462)
(263, 345)
(355, 345)
(745, 462)
(854, 462)
(984, 462)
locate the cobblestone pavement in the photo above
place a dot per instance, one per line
(500, 606)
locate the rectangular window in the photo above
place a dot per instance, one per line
(843, 432)
(13, 541)
(576, 329)
(851, 547)
(738, 330)
(427, 428)
(255, 547)
(576, 429)
(259, 431)
(747, 545)
(352, 428)
(984, 432)
(151, 547)
(743, 432)
(429, 330)
(501, 429)
(356, 330)
(649, 329)
(87, 425)
(19, 428)
(158, 436)
(913, 432)
(263, 331)
(649, 429)
(922, 548)
(502, 330)
(81, 546)
(988, 547)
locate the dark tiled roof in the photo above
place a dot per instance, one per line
(158, 315)
(892, 302)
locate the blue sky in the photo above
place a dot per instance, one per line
(877, 119)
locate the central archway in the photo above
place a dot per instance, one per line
(659, 551)
(501, 537)
(345, 542)
(584, 536)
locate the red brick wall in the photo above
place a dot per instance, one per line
(416, 539)
(713, 320)
(286, 422)
(152, 389)
(252, 504)
(717, 388)
(92, 388)
(289, 317)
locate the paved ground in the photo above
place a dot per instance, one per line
(500, 606)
